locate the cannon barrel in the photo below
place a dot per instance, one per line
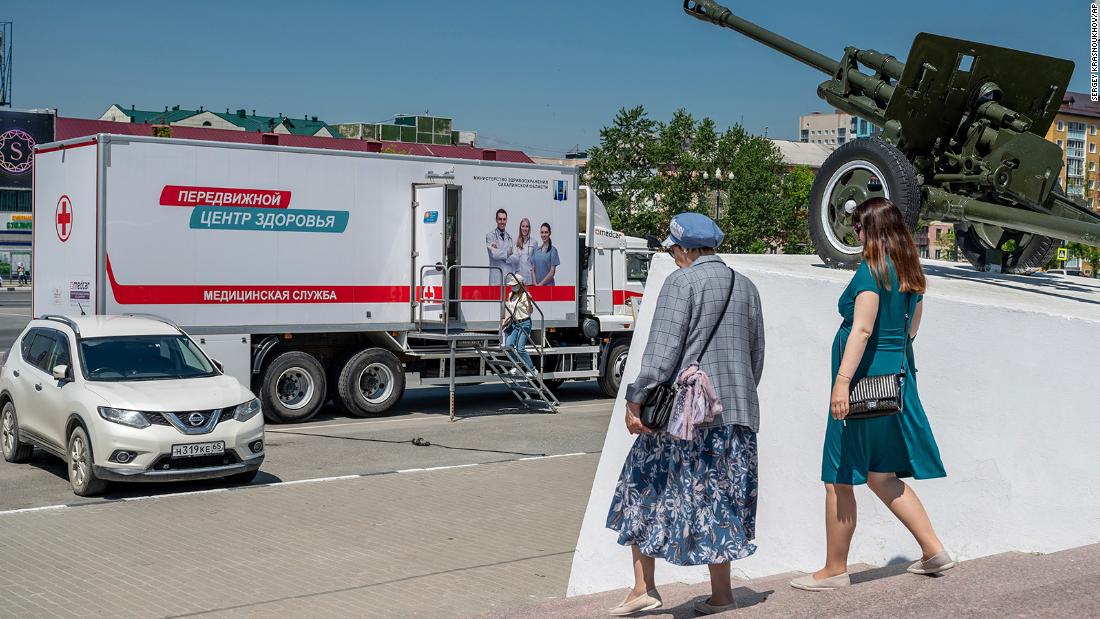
(708, 10)
(879, 90)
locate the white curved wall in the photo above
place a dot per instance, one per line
(1007, 372)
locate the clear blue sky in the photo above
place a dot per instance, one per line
(541, 76)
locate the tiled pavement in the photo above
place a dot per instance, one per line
(434, 543)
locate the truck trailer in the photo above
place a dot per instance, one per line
(313, 274)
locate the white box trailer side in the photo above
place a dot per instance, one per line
(283, 240)
(323, 247)
(67, 211)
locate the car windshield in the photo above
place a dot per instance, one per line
(143, 357)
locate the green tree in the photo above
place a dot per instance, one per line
(946, 242)
(1087, 253)
(646, 171)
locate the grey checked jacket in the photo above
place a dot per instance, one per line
(687, 309)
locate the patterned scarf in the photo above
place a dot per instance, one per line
(696, 403)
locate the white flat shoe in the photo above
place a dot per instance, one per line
(648, 601)
(935, 564)
(809, 583)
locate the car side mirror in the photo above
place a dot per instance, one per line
(218, 364)
(61, 372)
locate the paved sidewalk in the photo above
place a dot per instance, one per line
(432, 543)
(1057, 585)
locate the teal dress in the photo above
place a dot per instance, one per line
(902, 443)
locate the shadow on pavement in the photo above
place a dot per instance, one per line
(470, 401)
(120, 490)
(418, 441)
(879, 573)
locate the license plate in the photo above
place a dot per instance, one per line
(198, 449)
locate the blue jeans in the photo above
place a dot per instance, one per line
(516, 336)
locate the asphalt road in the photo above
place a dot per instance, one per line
(492, 427)
(15, 313)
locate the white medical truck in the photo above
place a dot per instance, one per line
(315, 274)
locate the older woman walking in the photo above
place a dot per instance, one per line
(881, 310)
(687, 492)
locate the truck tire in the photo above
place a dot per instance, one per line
(81, 464)
(371, 382)
(14, 450)
(293, 388)
(858, 170)
(612, 374)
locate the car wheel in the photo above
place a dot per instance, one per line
(372, 381)
(81, 465)
(243, 478)
(612, 375)
(14, 449)
(293, 387)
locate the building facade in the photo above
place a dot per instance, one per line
(834, 129)
(410, 129)
(1075, 130)
(240, 120)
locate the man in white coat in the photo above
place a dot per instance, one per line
(500, 246)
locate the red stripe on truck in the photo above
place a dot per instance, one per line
(51, 149)
(619, 297)
(212, 294)
(538, 293)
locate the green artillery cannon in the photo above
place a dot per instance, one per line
(962, 141)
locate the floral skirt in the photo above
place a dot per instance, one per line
(689, 502)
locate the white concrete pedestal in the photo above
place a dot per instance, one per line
(1008, 370)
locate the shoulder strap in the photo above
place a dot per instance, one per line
(725, 306)
(910, 309)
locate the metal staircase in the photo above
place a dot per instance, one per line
(527, 385)
(502, 361)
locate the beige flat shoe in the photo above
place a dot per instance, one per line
(809, 583)
(935, 564)
(704, 607)
(648, 601)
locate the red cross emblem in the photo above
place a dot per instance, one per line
(64, 219)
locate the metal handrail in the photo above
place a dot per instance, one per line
(420, 292)
(540, 346)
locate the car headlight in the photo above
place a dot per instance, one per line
(134, 419)
(246, 411)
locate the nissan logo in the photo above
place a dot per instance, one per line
(196, 419)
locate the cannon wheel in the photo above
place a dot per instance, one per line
(1032, 251)
(856, 171)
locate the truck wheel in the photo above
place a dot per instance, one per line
(293, 388)
(81, 465)
(14, 449)
(372, 381)
(612, 374)
(858, 170)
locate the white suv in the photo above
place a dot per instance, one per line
(126, 398)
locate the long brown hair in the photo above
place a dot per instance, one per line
(522, 240)
(885, 234)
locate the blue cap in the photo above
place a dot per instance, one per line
(692, 230)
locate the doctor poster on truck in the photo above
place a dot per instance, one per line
(530, 230)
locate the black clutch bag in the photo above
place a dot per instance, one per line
(879, 396)
(657, 408)
(876, 396)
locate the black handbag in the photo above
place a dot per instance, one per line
(657, 408)
(879, 396)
